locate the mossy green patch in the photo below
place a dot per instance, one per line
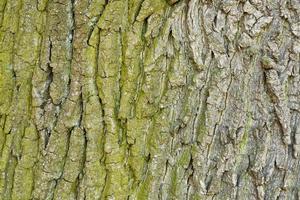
(112, 17)
(244, 140)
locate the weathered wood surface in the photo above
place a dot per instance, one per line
(149, 99)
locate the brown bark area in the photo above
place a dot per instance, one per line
(149, 99)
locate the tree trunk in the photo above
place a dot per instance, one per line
(149, 99)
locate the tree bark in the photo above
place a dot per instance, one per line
(149, 99)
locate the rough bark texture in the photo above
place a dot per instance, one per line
(149, 99)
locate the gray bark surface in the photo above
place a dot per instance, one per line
(149, 99)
